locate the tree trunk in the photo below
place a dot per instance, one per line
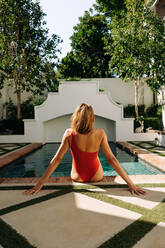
(18, 105)
(163, 116)
(163, 107)
(136, 98)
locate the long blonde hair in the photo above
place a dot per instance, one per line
(83, 118)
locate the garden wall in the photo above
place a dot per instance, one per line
(53, 116)
(121, 92)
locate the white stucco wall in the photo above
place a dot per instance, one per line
(109, 127)
(124, 92)
(55, 128)
(120, 91)
(53, 116)
(70, 95)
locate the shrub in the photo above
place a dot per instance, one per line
(155, 110)
(154, 122)
(39, 101)
(129, 110)
(11, 110)
(73, 79)
(152, 115)
(27, 110)
(13, 126)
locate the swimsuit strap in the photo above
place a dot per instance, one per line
(73, 138)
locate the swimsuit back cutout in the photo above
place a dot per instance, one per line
(85, 163)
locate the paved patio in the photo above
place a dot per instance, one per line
(67, 214)
(5, 147)
(82, 215)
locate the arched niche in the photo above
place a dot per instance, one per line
(54, 129)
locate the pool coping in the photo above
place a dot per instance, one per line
(143, 154)
(18, 153)
(110, 180)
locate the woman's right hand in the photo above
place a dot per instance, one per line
(34, 190)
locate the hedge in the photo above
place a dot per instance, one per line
(11, 127)
(154, 122)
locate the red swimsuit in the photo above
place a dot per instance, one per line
(85, 163)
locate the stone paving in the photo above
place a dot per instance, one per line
(154, 238)
(5, 147)
(150, 146)
(85, 216)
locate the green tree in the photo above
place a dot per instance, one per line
(28, 55)
(110, 7)
(138, 46)
(88, 57)
(70, 67)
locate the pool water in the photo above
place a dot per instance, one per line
(34, 164)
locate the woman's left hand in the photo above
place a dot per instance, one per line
(136, 190)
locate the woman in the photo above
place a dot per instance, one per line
(84, 142)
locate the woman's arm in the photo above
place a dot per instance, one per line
(117, 166)
(53, 164)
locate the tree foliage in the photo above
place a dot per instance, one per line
(110, 7)
(88, 57)
(27, 54)
(138, 46)
(70, 67)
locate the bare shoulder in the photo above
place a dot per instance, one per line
(100, 132)
(68, 131)
(67, 134)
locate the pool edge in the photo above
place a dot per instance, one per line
(143, 154)
(18, 153)
(110, 180)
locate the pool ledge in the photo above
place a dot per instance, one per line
(137, 179)
(13, 155)
(143, 154)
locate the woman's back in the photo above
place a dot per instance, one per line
(89, 142)
(84, 149)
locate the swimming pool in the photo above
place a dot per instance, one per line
(34, 164)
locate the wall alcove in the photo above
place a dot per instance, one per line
(54, 129)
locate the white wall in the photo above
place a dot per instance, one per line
(53, 116)
(124, 92)
(54, 129)
(109, 127)
(120, 91)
